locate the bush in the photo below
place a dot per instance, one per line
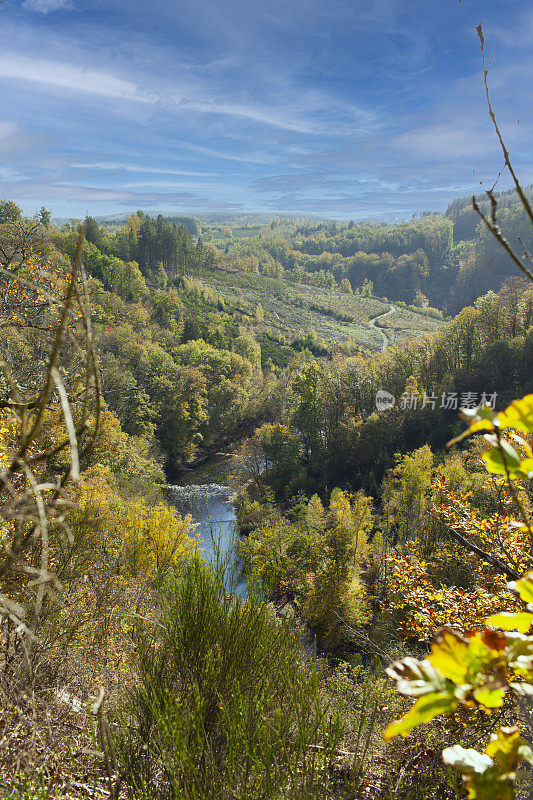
(226, 705)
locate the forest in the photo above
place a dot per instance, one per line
(444, 260)
(368, 634)
(136, 349)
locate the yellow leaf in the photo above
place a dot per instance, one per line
(520, 622)
(526, 467)
(449, 655)
(425, 709)
(490, 698)
(518, 415)
(524, 587)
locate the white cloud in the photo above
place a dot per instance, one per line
(313, 113)
(47, 193)
(16, 141)
(117, 167)
(46, 6)
(8, 174)
(447, 140)
(266, 116)
(208, 151)
(211, 186)
(7, 129)
(65, 76)
(68, 76)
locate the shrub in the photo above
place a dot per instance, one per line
(226, 706)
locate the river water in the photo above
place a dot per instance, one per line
(204, 494)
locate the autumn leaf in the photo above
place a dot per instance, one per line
(518, 415)
(520, 622)
(424, 710)
(523, 587)
(449, 655)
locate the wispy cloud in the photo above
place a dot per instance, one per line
(46, 6)
(445, 140)
(106, 197)
(68, 76)
(368, 108)
(278, 118)
(310, 115)
(118, 167)
(244, 158)
(16, 141)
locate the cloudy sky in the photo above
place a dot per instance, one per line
(346, 108)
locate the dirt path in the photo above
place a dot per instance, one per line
(384, 336)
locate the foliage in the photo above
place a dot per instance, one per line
(32, 500)
(405, 494)
(143, 541)
(225, 704)
(422, 606)
(480, 671)
(505, 457)
(486, 669)
(498, 548)
(316, 558)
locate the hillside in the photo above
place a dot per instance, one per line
(168, 349)
(444, 260)
(266, 400)
(293, 309)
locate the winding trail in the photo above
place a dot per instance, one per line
(384, 336)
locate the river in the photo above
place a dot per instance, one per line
(204, 494)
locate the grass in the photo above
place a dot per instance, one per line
(403, 319)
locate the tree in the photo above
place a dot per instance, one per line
(9, 212)
(405, 494)
(308, 414)
(281, 451)
(44, 216)
(93, 232)
(44, 437)
(336, 595)
(259, 313)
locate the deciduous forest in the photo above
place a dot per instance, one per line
(367, 634)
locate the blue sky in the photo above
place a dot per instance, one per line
(346, 108)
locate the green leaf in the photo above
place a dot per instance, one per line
(511, 622)
(483, 777)
(415, 678)
(494, 459)
(424, 710)
(520, 656)
(479, 413)
(491, 775)
(522, 442)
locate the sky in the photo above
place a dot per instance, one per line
(352, 109)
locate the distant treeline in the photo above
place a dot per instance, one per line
(443, 260)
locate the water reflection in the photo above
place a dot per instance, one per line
(211, 508)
